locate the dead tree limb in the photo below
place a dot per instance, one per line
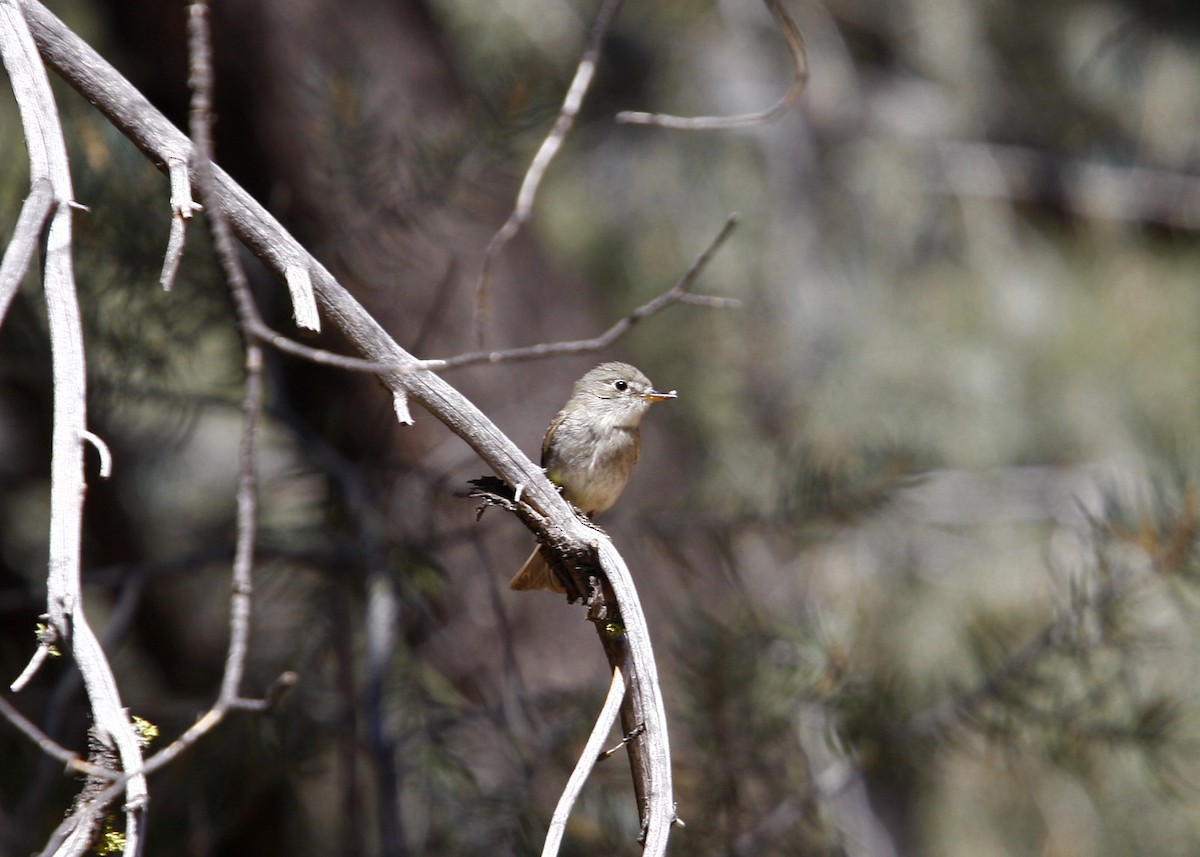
(69, 624)
(133, 115)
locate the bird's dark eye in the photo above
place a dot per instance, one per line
(621, 386)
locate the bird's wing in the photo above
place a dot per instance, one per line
(554, 424)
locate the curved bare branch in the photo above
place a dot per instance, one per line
(48, 162)
(587, 761)
(132, 114)
(795, 43)
(523, 210)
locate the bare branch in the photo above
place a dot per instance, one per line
(210, 719)
(263, 235)
(82, 819)
(523, 209)
(74, 834)
(182, 209)
(41, 654)
(795, 43)
(676, 294)
(616, 612)
(284, 682)
(259, 329)
(51, 747)
(182, 203)
(242, 586)
(625, 637)
(176, 240)
(36, 209)
(48, 162)
(229, 697)
(587, 761)
(612, 751)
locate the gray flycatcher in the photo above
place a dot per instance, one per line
(590, 448)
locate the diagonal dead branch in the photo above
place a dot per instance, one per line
(48, 162)
(795, 43)
(262, 332)
(262, 235)
(51, 747)
(523, 210)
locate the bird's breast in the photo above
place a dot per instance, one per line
(593, 474)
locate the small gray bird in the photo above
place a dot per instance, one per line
(590, 448)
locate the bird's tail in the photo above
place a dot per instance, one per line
(536, 574)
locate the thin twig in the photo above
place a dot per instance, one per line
(72, 836)
(229, 697)
(182, 209)
(35, 211)
(587, 761)
(678, 293)
(51, 747)
(103, 451)
(40, 655)
(260, 330)
(176, 241)
(616, 748)
(200, 78)
(523, 209)
(795, 43)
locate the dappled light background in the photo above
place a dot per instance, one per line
(917, 540)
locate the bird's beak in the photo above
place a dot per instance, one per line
(656, 396)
